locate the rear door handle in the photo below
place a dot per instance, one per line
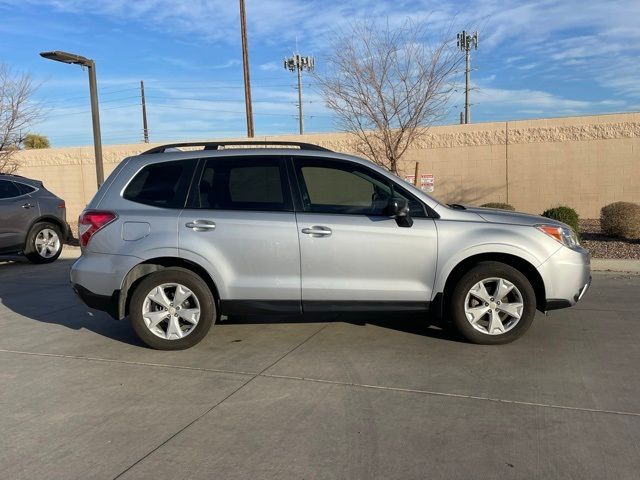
(28, 205)
(317, 231)
(201, 225)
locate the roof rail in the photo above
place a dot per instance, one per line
(251, 143)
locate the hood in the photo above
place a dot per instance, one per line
(495, 215)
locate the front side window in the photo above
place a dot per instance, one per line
(346, 188)
(8, 189)
(161, 184)
(243, 184)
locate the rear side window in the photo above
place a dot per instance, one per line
(162, 185)
(25, 189)
(243, 184)
(8, 189)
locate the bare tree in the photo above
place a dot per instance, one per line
(17, 113)
(387, 86)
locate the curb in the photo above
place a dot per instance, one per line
(615, 265)
(69, 252)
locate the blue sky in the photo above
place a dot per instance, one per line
(536, 59)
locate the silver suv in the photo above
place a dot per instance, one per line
(175, 239)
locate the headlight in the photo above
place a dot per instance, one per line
(564, 235)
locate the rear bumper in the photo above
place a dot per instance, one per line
(105, 303)
(567, 277)
(67, 234)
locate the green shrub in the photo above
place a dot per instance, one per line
(501, 206)
(621, 219)
(33, 140)
(565, 215)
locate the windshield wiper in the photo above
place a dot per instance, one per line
(456, 206)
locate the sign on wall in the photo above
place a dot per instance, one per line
(427, 181)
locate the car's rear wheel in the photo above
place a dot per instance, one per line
(492, 304)
(172, 309)
(44, 243)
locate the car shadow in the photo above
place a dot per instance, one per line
(42, 293)
(413, 323)
(49, 285)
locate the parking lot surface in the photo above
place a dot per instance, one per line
(364, 396)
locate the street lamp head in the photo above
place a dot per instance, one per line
(66, 57)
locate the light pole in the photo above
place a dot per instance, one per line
(299, 63)
(245, 69)
(74, 59)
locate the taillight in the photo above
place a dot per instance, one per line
(91, 221)
(62, 205)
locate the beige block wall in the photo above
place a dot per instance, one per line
(583, 162)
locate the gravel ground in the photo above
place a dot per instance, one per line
(601, 246)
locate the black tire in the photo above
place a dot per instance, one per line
(208, 311)
(30, 249)
(482, 271)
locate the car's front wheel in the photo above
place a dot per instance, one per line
(44, 243)
(493, 303)
(172, 309)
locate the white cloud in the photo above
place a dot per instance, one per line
(270, 67)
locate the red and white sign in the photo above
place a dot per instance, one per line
(427, 182)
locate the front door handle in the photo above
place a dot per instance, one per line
(201, 225)
(317, 231)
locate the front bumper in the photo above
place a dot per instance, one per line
(567, 277)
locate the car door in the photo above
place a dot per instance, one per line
(17, 212)
(353, 257)
(240, 223)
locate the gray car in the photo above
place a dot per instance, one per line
(32, 219)
(175, 239)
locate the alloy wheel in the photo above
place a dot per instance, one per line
(171, 311)
(493, 306)
(47, 243)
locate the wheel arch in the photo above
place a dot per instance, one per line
(519, 263)
(51, 219)
(144, 269)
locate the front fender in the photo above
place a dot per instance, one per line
(461, 240)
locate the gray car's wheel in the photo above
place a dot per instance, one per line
(172, 309)
(44, 243)
(492, 304)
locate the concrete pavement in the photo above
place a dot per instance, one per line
(364, 396)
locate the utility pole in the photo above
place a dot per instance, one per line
(245, 66)
(467, 42)
(299, 63)
(145, 130)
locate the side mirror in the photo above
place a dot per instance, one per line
(398, 208)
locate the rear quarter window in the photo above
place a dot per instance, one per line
(24, 188)
(163, 185)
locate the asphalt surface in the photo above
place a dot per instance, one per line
(326, 397)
